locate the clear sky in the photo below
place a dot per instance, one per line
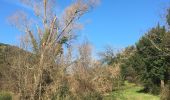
(114, 22)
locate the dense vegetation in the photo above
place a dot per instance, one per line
(47, 66)
(150, 61)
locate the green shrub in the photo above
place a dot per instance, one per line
(64, 94)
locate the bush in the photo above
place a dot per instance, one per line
(92, 96)
(5, 96)
(63, 93)
(151, 88)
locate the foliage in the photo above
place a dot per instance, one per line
(128, 64)
(148, 63)
(168, 17)
(45, 69)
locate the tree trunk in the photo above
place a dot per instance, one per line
(162, 84)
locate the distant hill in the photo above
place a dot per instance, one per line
(8, 58)
(7, 54)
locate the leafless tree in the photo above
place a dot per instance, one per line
(39, 74)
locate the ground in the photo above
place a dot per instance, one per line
(131, 92)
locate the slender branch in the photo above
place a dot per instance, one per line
(63, 30)
(152, 42)
(45, 11)
(68, 24)
(52, 29)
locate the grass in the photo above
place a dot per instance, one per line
(130, 92)
(5, 96)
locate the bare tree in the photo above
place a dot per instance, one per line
(108, 55)
(38, 72)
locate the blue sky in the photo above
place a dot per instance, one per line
(118, 23)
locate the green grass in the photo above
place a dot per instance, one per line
(5, 96)
(130, 92)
